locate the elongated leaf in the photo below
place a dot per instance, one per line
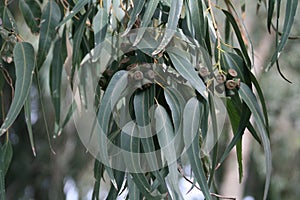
(166, 141)
(98, 174)
(239, 37)
(24, 64)
(271, 6)
(59, 57)
(31, 12)
(27, 111)
(111, 96)
(174, 15)
(50, 18)
(133, 191)
(184, 67)
(138, 6)
(78, 6)
(100, 23)
(149, 12)
(249, 98)
(198, 21)
(191, 121)
(291, 8)
(5, 159)
(8, 20)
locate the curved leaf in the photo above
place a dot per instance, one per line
(6, 154)
(138, 6)
(24, 64)
(291, 9)
(50, 19)
(100, 23)
(31, 12)
(27, 111)
(181, 63)
(191, 122)
(249, 98)
(176, 7)
(149, 12)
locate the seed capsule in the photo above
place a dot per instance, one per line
(150, 74)
(138, 75)
(231, 84)
(203, 71)
(232, 72)
(220, 78)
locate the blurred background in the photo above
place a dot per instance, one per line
(68, 174)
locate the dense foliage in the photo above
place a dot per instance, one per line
(150, 84)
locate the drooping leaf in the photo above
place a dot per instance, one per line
(174, 15)
(31, 12)
(133, 190)
(191, 121)
(151, 7)
(6, 154)
(239, 37)
(98, 174)
(271, 6)
(181, 63)
(166, 139)
(8, 20)
(50, 18)
(249, 98)
(111, 96)
(100, 23)
(290, 12)
(137, 8)
(27, 111)
(198, 21)
(78, 7)
(59, 57)
(24, 64)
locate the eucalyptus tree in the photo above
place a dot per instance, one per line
(151, 84)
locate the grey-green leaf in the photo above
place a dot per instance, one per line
(291, 9)
(24, 64)
(100, 23)
(31, 12)
(176, 7)
(191, 122)
(6, 153)
(27, 111)
(50, 19)
(186, 69)
(249, 98)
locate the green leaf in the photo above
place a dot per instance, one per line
(98, 174)
(175, 10)
(27, 110)
(59, 57)
(78, 7)
(24, 64)
(138, 6)
(271, 7)
(50, 18)
(6, 154)
(149, 12)
(111, 96)
(100, 23)
(133, 190)
(249, 98)
(8, 20)
(191, 122)
(198, 21)
(186, 69)
(239, 37)
(166, 139)
(291, 9)
(31, 12)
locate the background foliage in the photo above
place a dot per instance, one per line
(41, 57)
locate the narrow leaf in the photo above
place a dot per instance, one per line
(100, 23)
(5, 159)
(149, 12)
(31, 12)
(50, 19)
(249, 98)
(184, 67)
(271, 7)
(8, 20)
(27, 110)
(191, 121)
(24, 65)
(138, 6)
(176, 7)
(291, 9)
